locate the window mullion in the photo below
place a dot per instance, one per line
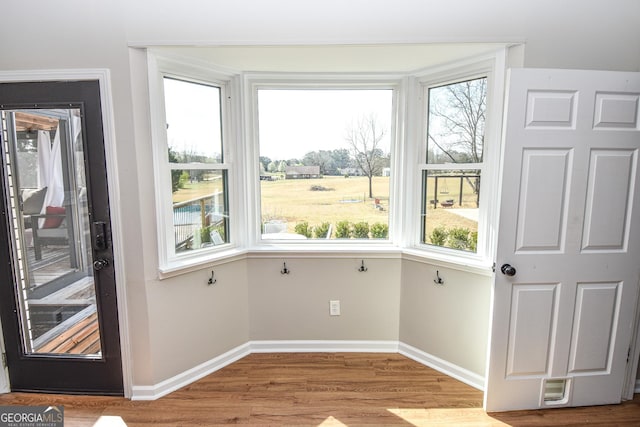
(198, 166)
(451, 166)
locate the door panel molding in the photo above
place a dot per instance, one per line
(615, 111)
(535, 317)
(543, 202)
(595, 330)
(551, 109)
(606, 209)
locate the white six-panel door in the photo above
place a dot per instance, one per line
(570, 227)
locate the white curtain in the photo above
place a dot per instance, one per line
(50, 169)
(44, 158)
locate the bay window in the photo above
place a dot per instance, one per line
(374, 162)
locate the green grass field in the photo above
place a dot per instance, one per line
(194, 190)
(294, 201)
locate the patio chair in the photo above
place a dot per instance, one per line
(52, 231)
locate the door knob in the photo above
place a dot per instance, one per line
(100, 263)
(508, 270)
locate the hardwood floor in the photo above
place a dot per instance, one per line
(319, 389)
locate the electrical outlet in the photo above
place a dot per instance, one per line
(334, 308)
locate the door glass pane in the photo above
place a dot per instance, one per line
(52, 257)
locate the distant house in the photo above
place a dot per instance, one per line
(302, 172)
(351, 171)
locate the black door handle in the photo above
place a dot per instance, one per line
(508, 270)
(100, 263)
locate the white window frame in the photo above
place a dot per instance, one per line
(408, 150)
(254, 82)
(170, 262)
(493, 68)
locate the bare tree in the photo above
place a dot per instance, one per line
(364, 139)
(456, 123)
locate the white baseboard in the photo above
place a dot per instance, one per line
(323, 346)
(187, 377)
(440, 365)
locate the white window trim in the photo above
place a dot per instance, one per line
(241, 152)
(493, 67)
(255, 81)
(170, 263)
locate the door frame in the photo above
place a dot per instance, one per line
(103, 77)
(631, 384)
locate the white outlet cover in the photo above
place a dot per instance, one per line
(334, 308)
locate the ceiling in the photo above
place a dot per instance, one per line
(33, 122)
(332, 58)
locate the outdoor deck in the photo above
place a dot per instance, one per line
(54, 263)
(77, 334)
(81, 338)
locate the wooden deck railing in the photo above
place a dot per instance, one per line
(195, 214)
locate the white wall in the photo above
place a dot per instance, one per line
(559, 34)
(192, 322)
(178, 322)
(449, 321)
(296, 306)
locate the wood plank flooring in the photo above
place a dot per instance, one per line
(320, 389)
(81, 338)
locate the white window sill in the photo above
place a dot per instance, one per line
(198, 262)
(304, 249)
(461, 262)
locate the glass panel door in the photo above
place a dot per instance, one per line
(58, 293)
(52, 257)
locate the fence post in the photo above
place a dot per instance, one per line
(202, 213)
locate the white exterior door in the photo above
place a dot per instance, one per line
(570, 228)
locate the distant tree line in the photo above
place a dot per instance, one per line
(331, 162)
(180, 176)
(363, 155)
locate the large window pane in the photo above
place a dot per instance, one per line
(455, 122)
(200, 215)
(451, 208)
(194, 139)
(325, 163)
(194, 130)
(456, 117)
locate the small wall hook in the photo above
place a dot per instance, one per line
(438, 280)
(212, 280)
(285, 270)
(362, 268)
